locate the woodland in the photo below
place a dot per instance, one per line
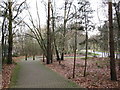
(64, 43)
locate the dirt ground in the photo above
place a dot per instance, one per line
(97, 75)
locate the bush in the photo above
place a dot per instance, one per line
(15, 55)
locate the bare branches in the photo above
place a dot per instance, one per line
(36, 31)
(69, 8)
(18, 10)
(38, 15)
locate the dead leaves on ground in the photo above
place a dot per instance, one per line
(98, 75)
(6, 75)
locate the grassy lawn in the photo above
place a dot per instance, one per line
(14, 77)
(71, 57)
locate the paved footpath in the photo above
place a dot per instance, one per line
(35, 75)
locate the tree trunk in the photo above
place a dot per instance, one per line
(86, 54)
(86, 47)
(57, 54)
(117, 8)
(48, 36)
(75, 45)
(10, 36)
(64, 33)
(111, 44)
(62, 56)
(26, 57)
(2, 44)
(3, 37)
(33, 57)
(43, 58)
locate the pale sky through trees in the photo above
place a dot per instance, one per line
(95, 4)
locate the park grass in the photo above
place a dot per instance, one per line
(84, 58)
(71, 57)
(14, 77)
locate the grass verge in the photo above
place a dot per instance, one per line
(87, 58)
(14, 77)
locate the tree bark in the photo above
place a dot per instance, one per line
(64, 33)
(33, 57)
(48, 36)
(10, 36)
(3, 39)
(86, 54)
(3, 36)
(43, 58)
(26, 57)
(75, 45)
(117, 8)
(111, 44)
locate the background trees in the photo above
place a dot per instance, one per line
(9, 23)
(66, 31)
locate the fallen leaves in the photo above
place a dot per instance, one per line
(6, 74)
(98, 75)
(0, 80)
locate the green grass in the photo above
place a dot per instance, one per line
(87, 57)
(72, 84)
(71, 57)
(14, 77)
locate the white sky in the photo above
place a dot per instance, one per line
(32, 3)
(95, 4)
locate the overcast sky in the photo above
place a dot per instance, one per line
(95, 4)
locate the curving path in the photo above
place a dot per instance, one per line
(35, 75)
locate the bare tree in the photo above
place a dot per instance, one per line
(9, 8)
(117, 13)
(111, 44)
(67, 8)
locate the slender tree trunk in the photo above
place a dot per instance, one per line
(26, 57)
(43, 58)
(75, 46)
(54, 40)
(86, 47)
(33, 57)
(51, 56)
(2, 44)
(53, 33)
(3, 37)
(64, 33)
(111, 44)
(48, 35)
(57, 54)
(117, 8)
(86, 54)
(10, 36)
